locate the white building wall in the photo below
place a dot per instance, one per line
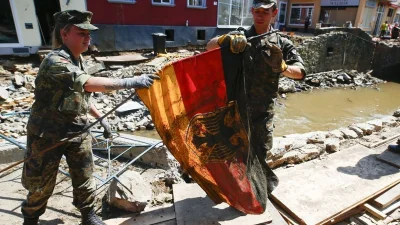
(73, 4)
(24, 12)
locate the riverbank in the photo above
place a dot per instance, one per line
(17, 86)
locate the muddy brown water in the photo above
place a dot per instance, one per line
(328, 109)
(334, 108)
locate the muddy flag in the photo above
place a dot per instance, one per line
(198, 109)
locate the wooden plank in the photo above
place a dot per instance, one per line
(373, 145)
(289, 219)
(277, 219)
(318, 191)
(194, 207)
(344, 215)
(149, 216)
(391, 208)
(375, 212)
(388, 197)
(391, 158)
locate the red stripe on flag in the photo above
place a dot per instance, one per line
(232, 179)
(202, 83)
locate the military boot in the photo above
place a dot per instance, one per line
(31, 221)
(89, 217)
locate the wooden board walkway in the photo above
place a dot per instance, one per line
(193, 207)
(317, 191)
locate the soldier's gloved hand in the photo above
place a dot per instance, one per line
(107, 128)
(142, 81)
(236, 40)
(273, 56)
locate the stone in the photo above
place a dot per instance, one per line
(116, 67)
(3, 94)
(335, 134)
(30, 82)
(389, 121)
(332, 144)
(358, 131)
(282, 145)
(316, 138)
(130, 126)
(143, 122)
(106, 101)
(377, 124)
(349, 134)
(157, 61)
(340, 78)
(99, 105)
(129, 106)
(136, 198)
(366, 128)
(306, 153)
(286, 87)
(19, 80)
(396, 113)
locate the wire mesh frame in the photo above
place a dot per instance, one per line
(108, 149)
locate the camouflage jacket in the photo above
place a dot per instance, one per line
(262, 83)
(61, 103)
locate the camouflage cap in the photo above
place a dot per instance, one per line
(266, 4)
(80, 19)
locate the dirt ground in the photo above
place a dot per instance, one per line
(59, 209)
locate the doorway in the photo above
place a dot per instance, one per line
(8, 30)
(379, 16)
(45, 10)
(282, 14)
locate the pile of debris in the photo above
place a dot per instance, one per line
(330, 79)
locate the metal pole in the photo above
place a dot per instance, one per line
(13, 142)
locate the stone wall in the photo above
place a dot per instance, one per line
(386, 63)
(336, 50)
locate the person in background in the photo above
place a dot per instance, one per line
(60, 111)
(384, 29)
(307, 23)
(395, 31)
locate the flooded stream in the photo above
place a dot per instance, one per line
(328, 109)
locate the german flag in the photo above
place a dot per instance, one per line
(198, 109)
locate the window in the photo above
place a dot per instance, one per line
(234, 13)
(8, 32)
(390, 12)
(201, 35)
(122, 1)
(367, 17)
(196, 3)
(163, 2)
(299, 13)
(170, 35)
(396, 18)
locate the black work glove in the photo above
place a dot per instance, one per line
(273, 56)
(107, 128)
(142, 81)
(236, 40)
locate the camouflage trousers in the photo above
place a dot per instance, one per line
(262, 129)
(39, 174)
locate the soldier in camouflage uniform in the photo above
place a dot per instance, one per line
(60, 110)
(266, 58)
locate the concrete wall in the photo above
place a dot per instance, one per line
(130, 37)
(338, 50)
